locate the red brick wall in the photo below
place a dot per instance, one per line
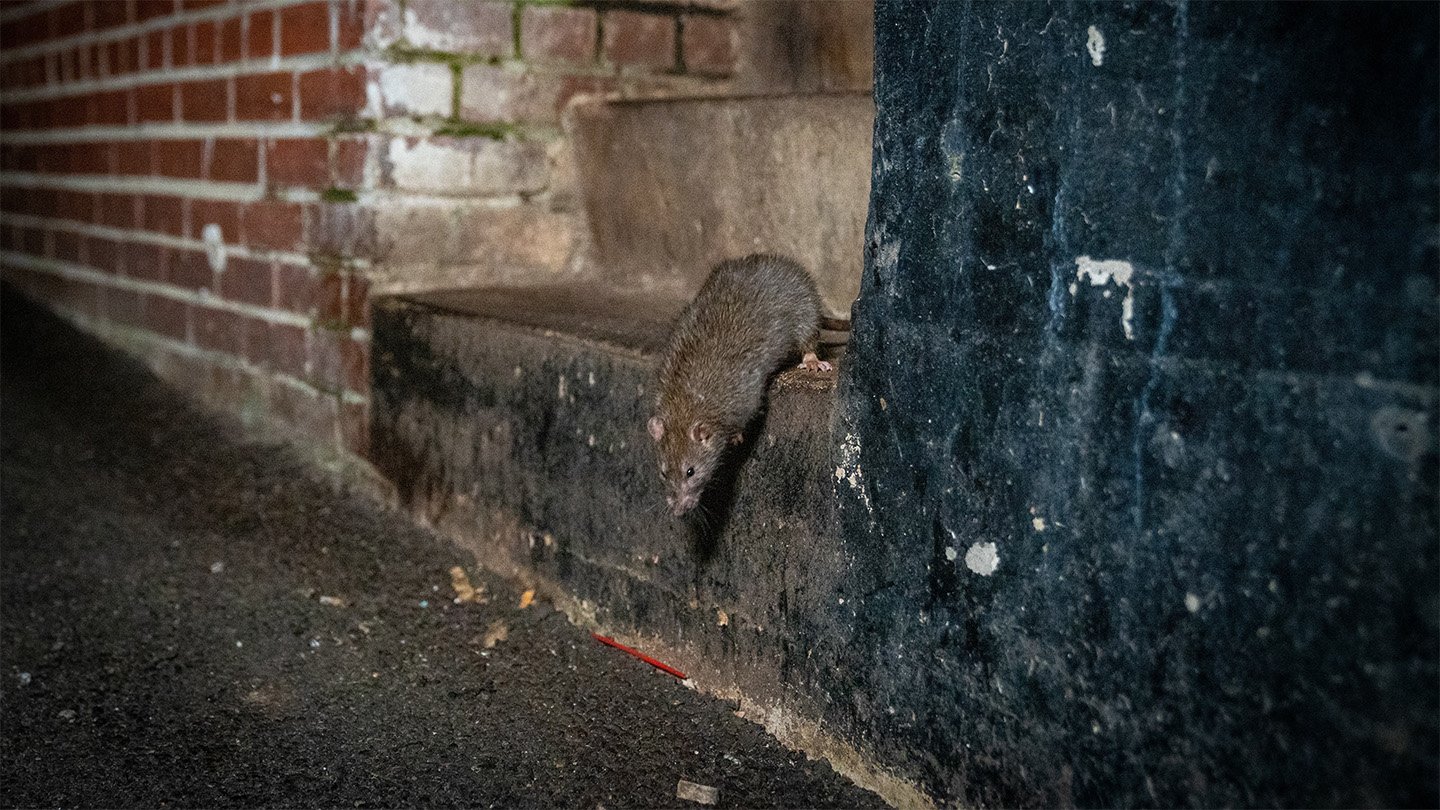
(218, 186)
(163, 170)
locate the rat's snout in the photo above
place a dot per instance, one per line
(679, 506)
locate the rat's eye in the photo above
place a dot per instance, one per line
(690, 472)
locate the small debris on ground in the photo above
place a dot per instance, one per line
(496, 633)
(24, 678)
(67, 714)
(722, 618)
(696, 792)
(332, 601)
(464, 591)
(660, 665)
(527, 598)
(217, 567)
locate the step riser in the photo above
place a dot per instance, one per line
(558, 482)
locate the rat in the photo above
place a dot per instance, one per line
(750, 317)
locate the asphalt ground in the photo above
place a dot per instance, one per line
(189, 617)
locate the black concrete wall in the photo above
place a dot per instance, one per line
(1211, 487)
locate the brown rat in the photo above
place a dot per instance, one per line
(749, 317)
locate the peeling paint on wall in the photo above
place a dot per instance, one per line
(1095, 44)
(1103, 271)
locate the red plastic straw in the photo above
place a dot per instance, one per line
(663, 667)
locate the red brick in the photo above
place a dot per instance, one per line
(285, 349)
(271, 224)
(215, 212)
(167, 316)
(195, 5)
(75, 205)
(190, 269)
(132, 158)
(202, 43)
(350, 163)
(68, 246)
(234, 160)
(709, 45)
(155, 44)
(338, 363)
(264, 97)
(351, 28)
(122, 57)
(119, 210)
(296, 288)
(357, 302)
(177, 158)
(247, 281)
(205, 100)
(146, 261)
(305, 29)
(260, 34)
(554, 32)
(633, 39)
(228, 42)
(164, 215)
(124, 306)
(147, 9)
(67, 20)
(219, 330)
(155, 102)
(333, 93)
(297, 162)
(107, 108)
(111, 14)
(91, 61)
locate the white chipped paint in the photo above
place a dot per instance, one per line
(1192, 603)
(951, 553)
(848, 470)
(1038, 522)
(982, 558)
(214, 246)
(560, 388)
(1095, 44)
(1100, 272)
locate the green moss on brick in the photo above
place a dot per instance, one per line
(338, 195)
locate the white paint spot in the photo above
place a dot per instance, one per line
(214, 246)
(591, 379)
(1192, 603)
(982, 558)
(560, 389)
(951, 553)
(1038, 522)
(1095, 44)
(1100, 272)
(849, 468)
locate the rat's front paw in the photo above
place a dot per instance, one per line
(814, 363)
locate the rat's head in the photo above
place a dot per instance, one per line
(689, 451)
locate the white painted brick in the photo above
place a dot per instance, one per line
(467, 166)
(420, 89)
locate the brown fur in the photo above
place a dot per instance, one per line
(751, 315)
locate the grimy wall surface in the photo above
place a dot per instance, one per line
(1139, 416)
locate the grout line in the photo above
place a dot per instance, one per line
(136, 235)
(136, 29)
(246, 67)
(79, 272)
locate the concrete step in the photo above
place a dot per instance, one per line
(514, 421)
(669, 187)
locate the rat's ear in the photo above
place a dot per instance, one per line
(657, 428)
(701, 432)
